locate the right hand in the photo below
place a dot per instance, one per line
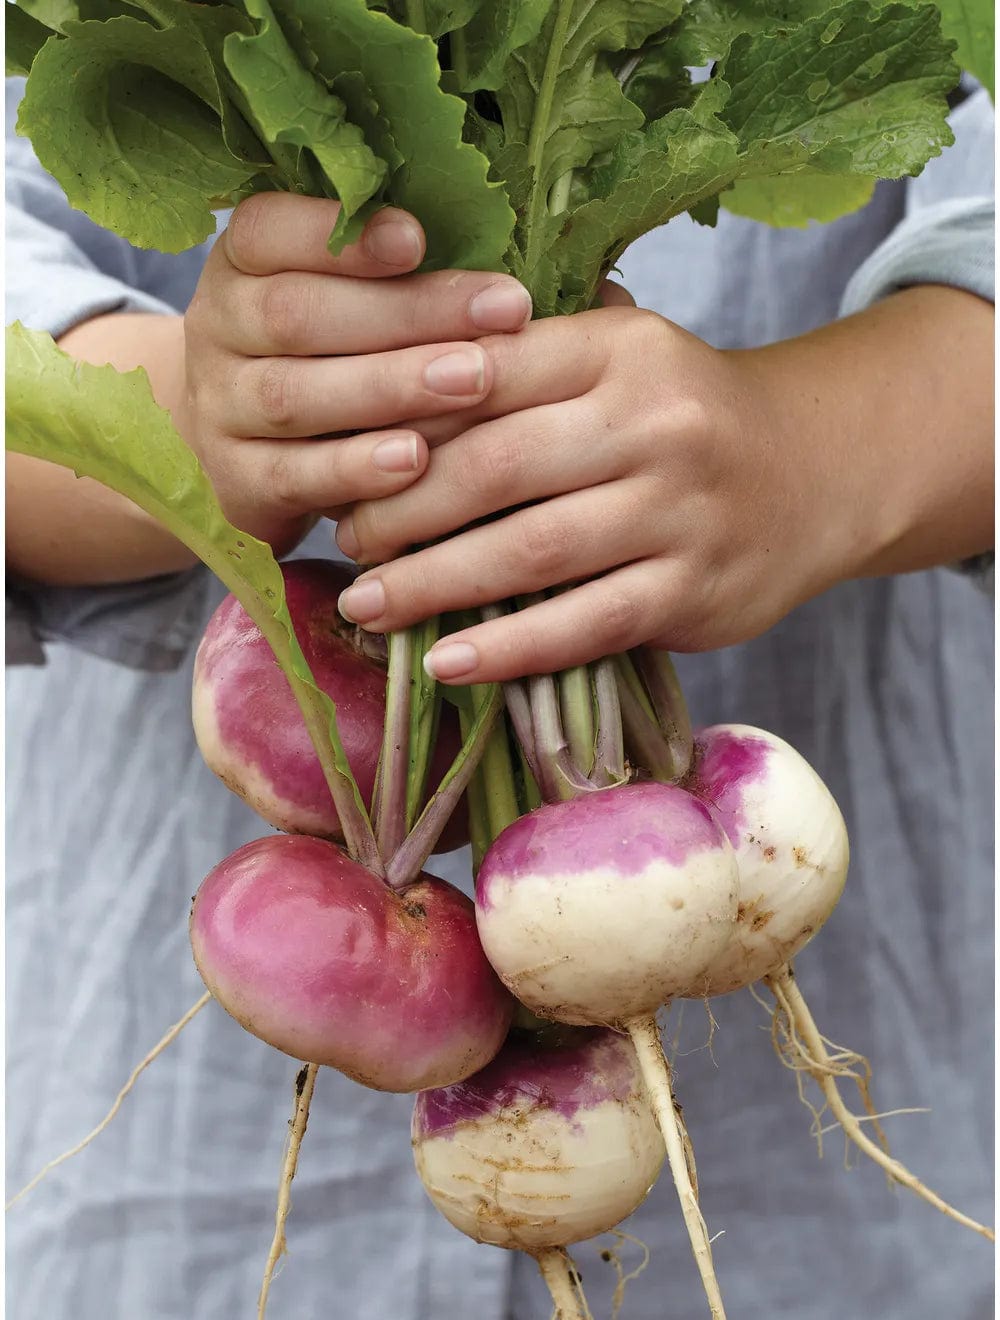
(286, 345)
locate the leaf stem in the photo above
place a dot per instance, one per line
(415, 16)
(609, 756)
(389, 805)
(418, 845)
(538, 136)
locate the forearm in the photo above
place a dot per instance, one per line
(895, 408)
(65, 530)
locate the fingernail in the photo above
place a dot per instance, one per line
(362, 601)
(396, 455)
(346, 539)
(394, 243)
(457, 373)
(501, 307)
(451, 660)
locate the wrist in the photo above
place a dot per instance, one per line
(887, 420)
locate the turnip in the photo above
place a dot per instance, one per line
(321, 959)
(792, 853)
(601, 909)
(790, 842)
(248, 724)
(553, 1142)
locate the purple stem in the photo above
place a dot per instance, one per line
(518, 705)
(558, 777)
(643, 735)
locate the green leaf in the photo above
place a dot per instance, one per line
(675, 163)
(24, 37)
(443, 179)
(660, 81)
(105, 425)
(52, 13)
(708, 28)
(792, 200)
(970, 23)
(289, 105)
(856, 90)
(127, 118)
(433, 17)
(481, 49)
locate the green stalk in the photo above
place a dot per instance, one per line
(391, 783)
(459, 56)
(425, 710)
(643, 735)
(576, 706)
(497, 768)
(538, 136)
(418, 845)
(415, 16)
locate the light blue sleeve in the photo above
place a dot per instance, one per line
(946, 237)
(63, 269)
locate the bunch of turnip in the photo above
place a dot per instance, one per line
(621, 861)
(616, 894)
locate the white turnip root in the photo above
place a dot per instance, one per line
(248, 724)
(552, 1143)
(792, 853)
(601, 909)
(318, 957)
(790, 842)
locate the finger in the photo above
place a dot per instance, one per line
(312, 475)
(551, 360)
(543, 546)
(299, 313)
(610, 615)
(611, 294)
(290, 397)
(276, 231)
(503, 463)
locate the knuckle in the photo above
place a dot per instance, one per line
(366, 523)
(617, 617)
(282, 481)
(542, 547)
(494, 466)
(275, 393)
(284, 310)
(245, 231)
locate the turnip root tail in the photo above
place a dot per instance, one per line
(563, 1282)
(656, 1074)
(157, 1050)
(801, 1046)
(305, 1083)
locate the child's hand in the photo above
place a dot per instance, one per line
(286, 344)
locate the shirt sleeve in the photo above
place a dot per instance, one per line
(946, 237)
(63, 269)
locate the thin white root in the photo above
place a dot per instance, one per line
(305, 1084)
(624, 1279)
(804, 1049)
(157, 1050)
(656, 1074)
(564, 1285)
